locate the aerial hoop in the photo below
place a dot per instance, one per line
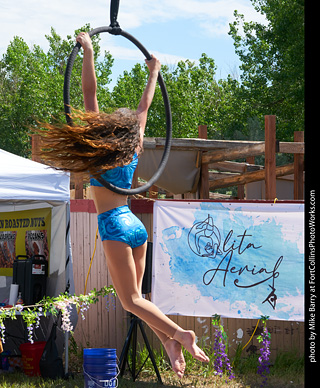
(115, 29)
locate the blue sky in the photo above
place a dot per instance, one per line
(172, 30)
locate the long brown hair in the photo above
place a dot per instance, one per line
(102, 142)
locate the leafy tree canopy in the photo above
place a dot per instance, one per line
(31, 86)
(272, 56)
(271, 82)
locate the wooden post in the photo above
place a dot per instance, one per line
(135, 178)
(298, 168)
(249, 160)
(35, 147)
(270, 157)
(204, 175)
(78, 186)
(240, 192)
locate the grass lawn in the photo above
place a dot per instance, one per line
(287, 371)
(250, 380)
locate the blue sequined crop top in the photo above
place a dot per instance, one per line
(119, 176)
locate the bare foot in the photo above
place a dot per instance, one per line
(174, 351)
(187, 339)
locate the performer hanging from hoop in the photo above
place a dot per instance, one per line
(111, 144)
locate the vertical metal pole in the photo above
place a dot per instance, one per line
(134, 348)
(66, 352)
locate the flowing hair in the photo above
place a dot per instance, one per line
(102, 142)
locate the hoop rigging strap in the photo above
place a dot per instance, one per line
(114, 9)
(115, 29)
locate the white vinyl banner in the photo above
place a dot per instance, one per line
(238, 260)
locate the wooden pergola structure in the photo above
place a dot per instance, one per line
(216, 158)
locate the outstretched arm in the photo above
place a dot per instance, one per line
(89, 81)
(147, 96)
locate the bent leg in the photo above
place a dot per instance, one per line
(172, 347)
(126, 273)
(123, 271)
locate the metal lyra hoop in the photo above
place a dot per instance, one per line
(116, 30)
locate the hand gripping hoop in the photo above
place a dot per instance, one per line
(115, 29)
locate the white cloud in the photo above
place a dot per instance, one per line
(32, 19)
(132, 54)
(211, 16)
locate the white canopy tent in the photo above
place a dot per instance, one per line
(27, 185)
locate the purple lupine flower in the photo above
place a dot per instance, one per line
(264, 363)
(221, 360)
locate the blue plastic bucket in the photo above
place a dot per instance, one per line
(100, 368)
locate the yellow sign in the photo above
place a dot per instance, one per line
(26, 233)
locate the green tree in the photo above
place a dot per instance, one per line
(193, 93)
(272, 82)
(272, 56)
(15, 99)
(195, 96)
(130, 86)
(31, 86)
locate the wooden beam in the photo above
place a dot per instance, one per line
(234, 167)
(249, 177)
(209, 145)
(298, 168)
(213, 176)
(196, 144)
(234, 153)
(291, 147)
(270, 157)
(228, 166)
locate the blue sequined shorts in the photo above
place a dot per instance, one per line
(120, 224)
